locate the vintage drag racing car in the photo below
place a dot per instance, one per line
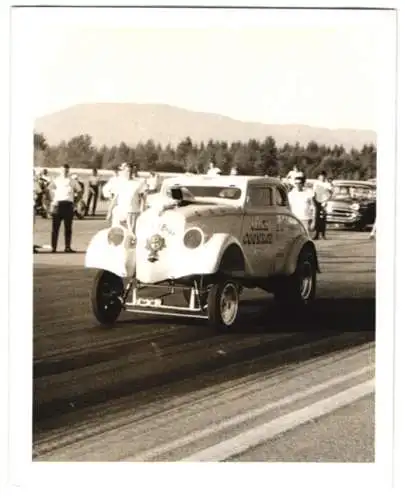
(208, 237)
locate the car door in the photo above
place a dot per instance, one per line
(288, 227)
(259, 228)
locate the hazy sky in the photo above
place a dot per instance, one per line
(315, 68)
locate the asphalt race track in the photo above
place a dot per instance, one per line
(158, 389)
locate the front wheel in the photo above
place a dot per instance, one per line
(106, 294)
(223, 305)
(299, 289)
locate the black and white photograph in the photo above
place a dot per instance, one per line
(212, 189)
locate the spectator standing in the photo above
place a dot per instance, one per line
(93, 186)
(322, 193)
(153, 182)
(63, 188)
(36, 191)
(301, 201)
(128, 201)
(110, 187)
(213, 170)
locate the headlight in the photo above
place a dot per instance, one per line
(193, 238)
(355, 206)
(328, 209)
(155, 243)
(115, 236)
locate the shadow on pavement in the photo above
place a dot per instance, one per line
(330, 326)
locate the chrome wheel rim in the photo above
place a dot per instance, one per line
(229, 304)
(306, 281)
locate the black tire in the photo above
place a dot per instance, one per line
(218, 316)
(292, 291)
(105, 297)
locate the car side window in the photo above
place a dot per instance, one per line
(260, 197)
(280, 197)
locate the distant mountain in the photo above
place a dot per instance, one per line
(111, 123)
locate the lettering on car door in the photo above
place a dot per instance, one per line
(259, 229)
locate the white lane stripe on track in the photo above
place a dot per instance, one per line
(239, 419)
(254, 437)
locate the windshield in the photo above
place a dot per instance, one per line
(354, 192)
(222, 192)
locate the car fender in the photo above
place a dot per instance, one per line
(215, 250)
(100, 254)
(295, 249)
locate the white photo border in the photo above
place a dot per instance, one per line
(173, 479)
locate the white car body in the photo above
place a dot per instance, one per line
(238, 225)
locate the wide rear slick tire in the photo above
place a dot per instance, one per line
(223, 305)
(298, 290)
(106, 293)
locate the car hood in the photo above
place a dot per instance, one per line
(175, 219)
(195, 210)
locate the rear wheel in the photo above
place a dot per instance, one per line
(223, 305)
(299, 289)
(106, 294)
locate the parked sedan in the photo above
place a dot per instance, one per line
(353, 204)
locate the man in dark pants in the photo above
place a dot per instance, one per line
(92, 193)
(322, 193)
(62, 208)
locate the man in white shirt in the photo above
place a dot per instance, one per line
(323, 190)
(128, 201)
(213, 170)
(109, 187)
(301, 201)
(153, 182)
(63, 190)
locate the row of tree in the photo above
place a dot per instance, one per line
(252, 157)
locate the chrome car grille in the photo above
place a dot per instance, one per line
(341, 212)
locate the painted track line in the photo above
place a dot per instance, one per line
(154, 453)
(254, 437)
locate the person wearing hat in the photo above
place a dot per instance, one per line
(128, 201)
(301, 201)
(63, 190)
